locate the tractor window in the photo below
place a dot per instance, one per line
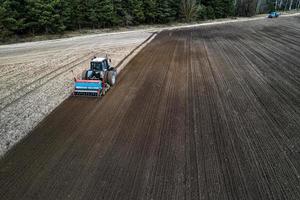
(98, 66)
(105, 64)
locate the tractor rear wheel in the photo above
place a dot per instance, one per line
(83, 75)
(112, 77)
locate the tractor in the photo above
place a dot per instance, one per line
(97, 80)
(273, 15)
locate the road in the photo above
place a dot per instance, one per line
(201, 113)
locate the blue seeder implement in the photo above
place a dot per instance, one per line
(88, 88)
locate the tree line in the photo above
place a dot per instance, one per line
(281, 5)
(30, 17)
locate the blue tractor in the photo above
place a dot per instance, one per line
(273, 15)
(96, 80)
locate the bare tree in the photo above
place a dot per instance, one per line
(286, 5)
(258, 5)
(189, 9)
(280, 4)
(291, 3)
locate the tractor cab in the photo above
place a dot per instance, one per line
(99, 64)
(99, 69)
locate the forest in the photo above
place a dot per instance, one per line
(31, 17)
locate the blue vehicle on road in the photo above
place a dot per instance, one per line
(273, 15)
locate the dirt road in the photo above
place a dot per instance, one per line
(203, 113)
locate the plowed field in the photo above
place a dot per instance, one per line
(202, 113)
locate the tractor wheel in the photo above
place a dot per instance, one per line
(83, 75)
(105, 76)
(112, 77)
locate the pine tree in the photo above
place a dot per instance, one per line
(105, 13)
(135, 10)
(14, 16)
(44, 17)
(175, 6)
(4, 32)
(118, 13)
(57, 23)
(92, 13)
(164, 12)
(34, 9)
(80, 13)
(149, 8)
(67, 13)
(228, 8)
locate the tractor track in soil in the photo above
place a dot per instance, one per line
(28, 88)
(200, 113)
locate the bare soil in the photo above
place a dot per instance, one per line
(200, 113)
